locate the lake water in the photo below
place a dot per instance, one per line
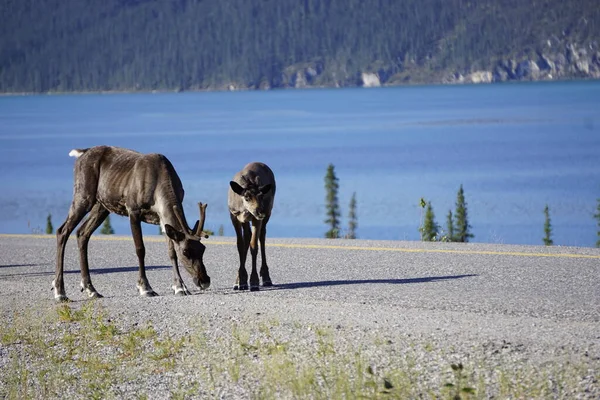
(513, 147)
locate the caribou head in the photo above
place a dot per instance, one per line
(190, 250)
(253, 196)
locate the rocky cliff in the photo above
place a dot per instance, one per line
(554, 60)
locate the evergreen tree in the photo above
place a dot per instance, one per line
(422, 203)
(208, 232)
(352, 218)
(331, 203)
(429, 230)
(462, 227)
(49, 227)
(221, 230)
(106, 227)
(547, 227)
(449, 227)
(597, 216)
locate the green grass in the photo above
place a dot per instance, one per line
(94, 356)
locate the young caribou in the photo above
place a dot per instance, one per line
(144, 187)
(250, 199)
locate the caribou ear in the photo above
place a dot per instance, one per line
(265, 189)
(237, 189)
(173, 233)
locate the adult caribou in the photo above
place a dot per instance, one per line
(144, 187)
(250, 199)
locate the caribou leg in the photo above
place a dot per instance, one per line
(91, 223)
(264, 269)
(136, 230)
(256, 230)
(77, 211)
(178, 284)
(243, 242)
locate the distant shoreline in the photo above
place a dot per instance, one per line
(210, 90)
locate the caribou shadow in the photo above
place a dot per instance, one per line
(19, 265)
(98, 271)
(302, 285)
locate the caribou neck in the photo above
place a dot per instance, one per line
(170, 217)
(167, 204)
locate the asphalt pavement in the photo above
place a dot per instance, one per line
(542, 299)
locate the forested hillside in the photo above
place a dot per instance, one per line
(77, 45)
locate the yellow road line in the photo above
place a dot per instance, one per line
(407, 250)
(334, 247)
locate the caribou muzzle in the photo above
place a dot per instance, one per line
(203, 283)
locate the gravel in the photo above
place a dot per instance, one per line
(491, 307)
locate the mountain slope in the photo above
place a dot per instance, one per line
(70, 45)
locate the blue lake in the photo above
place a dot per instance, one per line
(513, 147)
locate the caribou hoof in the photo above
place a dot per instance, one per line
(61, 298)
(254, 288)
(91, 292)
(240, 287)
(267, 283)
(181, 291)
(149, 293)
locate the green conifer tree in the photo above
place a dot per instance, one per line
(49, 227)
(462, 227)
(352, 218)
(106, 227)
(429, 231)
(422, 203)
(208, 232)
(597, 216)
(332, 206)
(449, 227)
(547, 227)
(221, 230)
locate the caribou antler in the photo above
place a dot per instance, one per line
(200, 228)
(180, 218)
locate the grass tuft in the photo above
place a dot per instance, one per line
(82, 352)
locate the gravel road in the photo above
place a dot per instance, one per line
(476, 303)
